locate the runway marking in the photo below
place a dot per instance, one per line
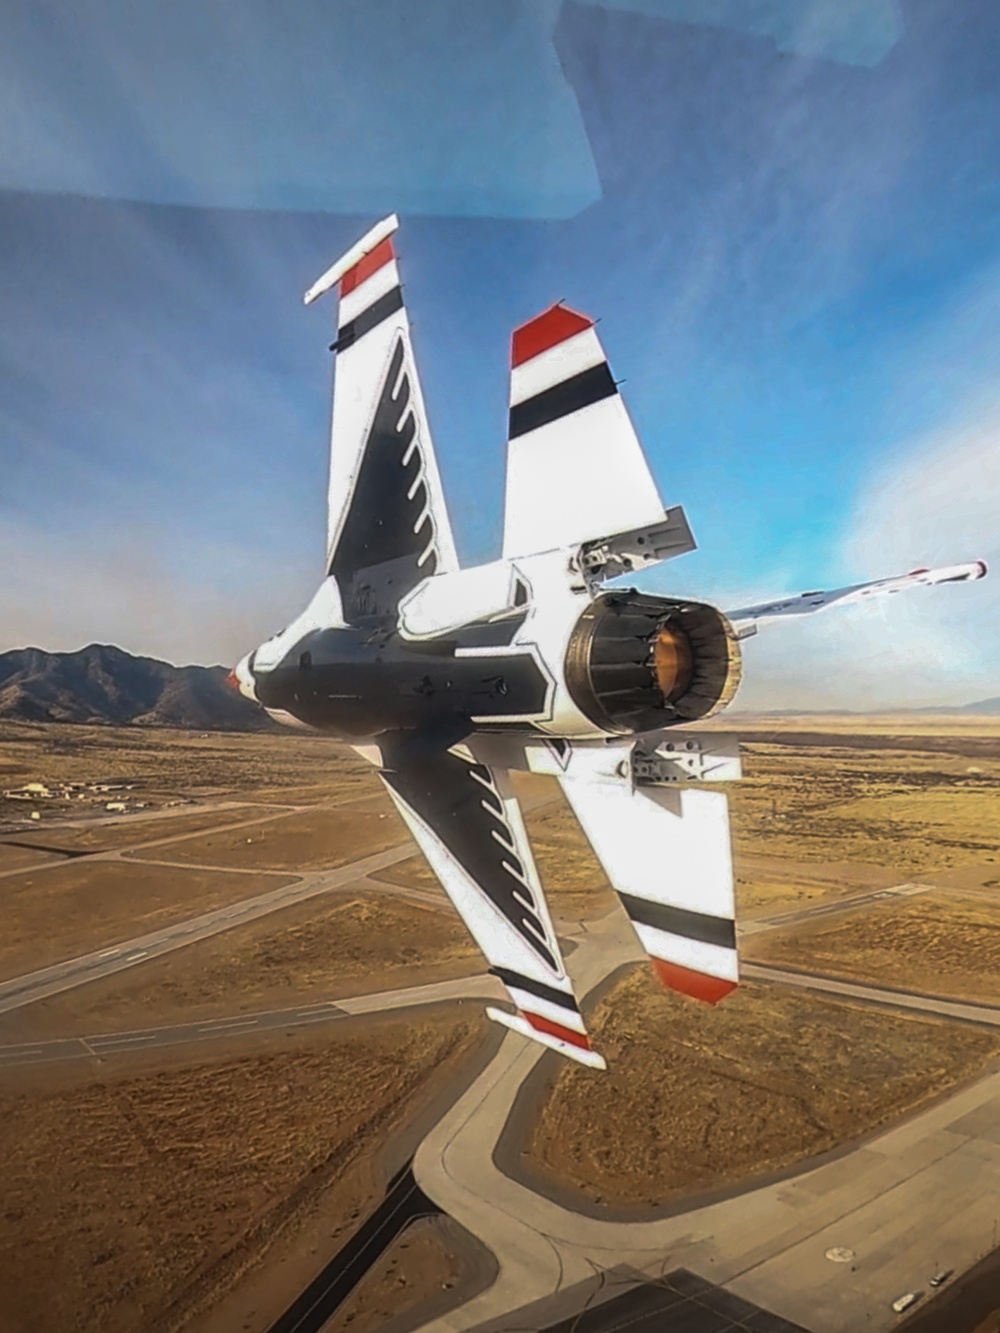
(128, 1040)
(225, 1023)
(71, 972)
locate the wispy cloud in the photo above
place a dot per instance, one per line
(940, 504)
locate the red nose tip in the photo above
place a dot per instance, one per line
(233, 680)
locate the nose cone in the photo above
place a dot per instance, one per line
(241, 678)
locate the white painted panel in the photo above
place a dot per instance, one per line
(368, 292)
(554, 365)
(712, 959)
(579, 478)
(448, 601)
(669, 846)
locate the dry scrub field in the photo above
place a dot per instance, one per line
(941, 943)
(133, 1199)
(811, 819)
(697, 1097)
(325, 948)
(320, 838)
(73, 908)
(430, 1258)
(167, 764)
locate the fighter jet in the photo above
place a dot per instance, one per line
(448, 679)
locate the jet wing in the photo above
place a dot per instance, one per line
(388, 524)
(576, 471)
(746, 619)
(467, 822)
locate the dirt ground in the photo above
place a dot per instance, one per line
(57, 913)
(891, 725)
(176, 1180)
(943, 943)
(911, 812)
(320, 949)
(695, 1097)
(19, 858)
(416, 1268)
(317, 839)
(574, 883)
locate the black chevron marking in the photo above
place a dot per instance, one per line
(460, 802)
(389, 518)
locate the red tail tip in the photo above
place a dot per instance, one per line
(553, 326)
(699, 985)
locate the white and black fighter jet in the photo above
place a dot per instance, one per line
(447, 678)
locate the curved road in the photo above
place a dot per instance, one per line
(920, 1197)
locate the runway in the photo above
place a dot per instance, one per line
(31, 986)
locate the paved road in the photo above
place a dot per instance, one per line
(104, 962)
(915, 1199)
(830, 907)
(261, 814)
(887, 997)
(479, 987)
(920, 1197)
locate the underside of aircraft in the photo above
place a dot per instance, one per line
(448, 679)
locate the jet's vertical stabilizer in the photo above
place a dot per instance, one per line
(575, 468)
(388, 523)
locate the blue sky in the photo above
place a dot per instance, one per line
(787, 216)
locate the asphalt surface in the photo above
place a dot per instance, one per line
(679, 1302)
(103, 1044)
(403, 1204)
(832, 907)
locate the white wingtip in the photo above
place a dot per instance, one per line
(353, 256)
(518, 1024)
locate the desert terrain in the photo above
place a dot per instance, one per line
(211, 1179)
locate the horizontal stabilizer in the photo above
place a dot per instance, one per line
(468, 823)
(667, 854)
(548, 1036)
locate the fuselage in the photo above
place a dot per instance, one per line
(554, 657)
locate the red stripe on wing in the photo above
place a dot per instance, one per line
(699, 985)
(545, 331)
(364, 268)
(551, 1029)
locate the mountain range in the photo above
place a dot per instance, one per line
(104, 684)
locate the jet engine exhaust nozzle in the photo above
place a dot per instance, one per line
(637, 663)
